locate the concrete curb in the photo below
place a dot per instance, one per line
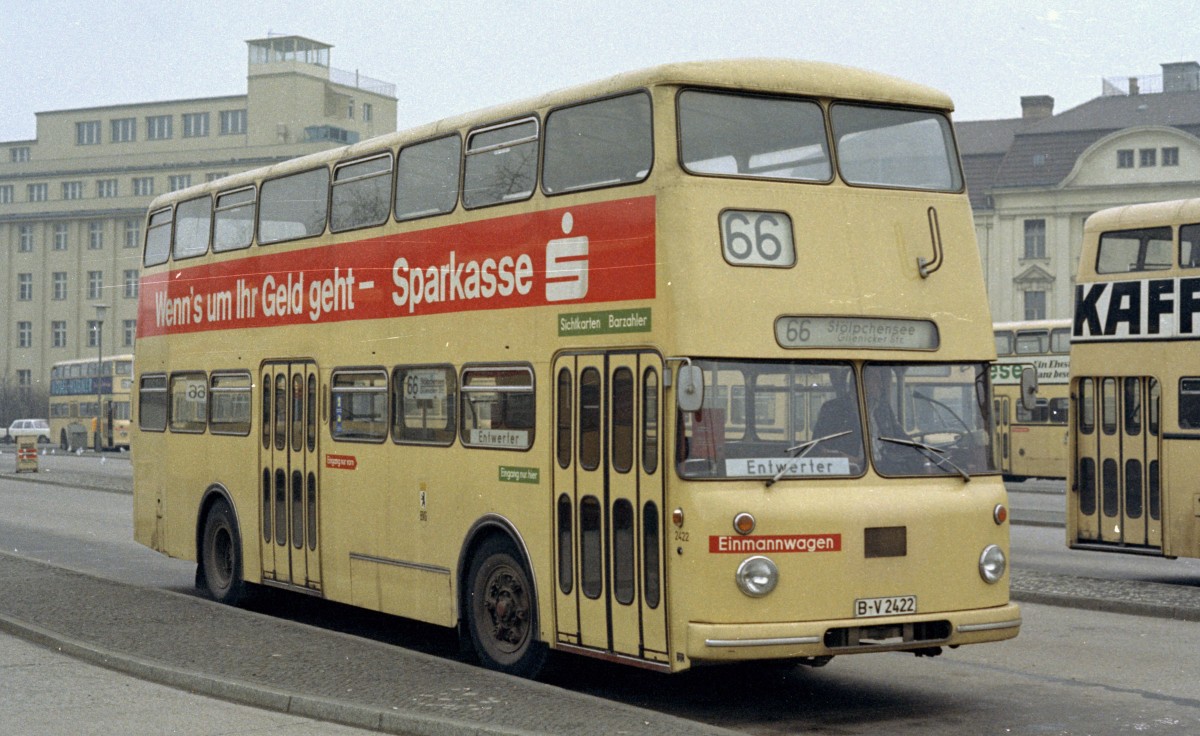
(322, 709)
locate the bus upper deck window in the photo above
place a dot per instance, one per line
(890, 147)
(158, 238)
(1141, 249)
(1004, 342)
(427, 178)
(598, 144)
(1189, 246)
(233, 226)
(293, 206)
(501, 163)
(362, 193)
(723, 134)
(193, 226)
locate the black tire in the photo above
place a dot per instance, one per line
(220, 573)
(501, 611)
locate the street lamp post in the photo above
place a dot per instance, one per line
(100, 309)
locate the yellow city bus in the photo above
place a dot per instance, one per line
(1031, 442)
(75, 388)
(1135, 382)
(685, 366)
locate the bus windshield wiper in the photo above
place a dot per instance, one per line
(936, 454)
(801, 450)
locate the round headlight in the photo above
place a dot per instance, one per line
(757, 576)
(992, 564)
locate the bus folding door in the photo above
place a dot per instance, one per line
(289, 475)
(1117, 499)
(609, 594)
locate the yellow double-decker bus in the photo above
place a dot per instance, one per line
(1031, 441)
(1135, 382)
(688, 365)
(89, 402)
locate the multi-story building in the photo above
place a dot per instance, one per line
(73, 199)
(1033, 180)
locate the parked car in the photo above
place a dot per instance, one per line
(39, 428)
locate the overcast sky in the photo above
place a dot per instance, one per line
(453, 56)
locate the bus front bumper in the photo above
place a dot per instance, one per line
(731, 642)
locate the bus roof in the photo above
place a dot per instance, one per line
(777, 76)
(78, 361)
(1143, 215)
(1032, 324)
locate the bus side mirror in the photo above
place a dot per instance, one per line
(689, 389)
(1029, 387)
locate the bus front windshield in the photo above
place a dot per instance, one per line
(771, 420)
(928, 419)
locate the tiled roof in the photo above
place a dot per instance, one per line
(1042, 152)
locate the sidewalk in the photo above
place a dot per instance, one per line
(278, 665)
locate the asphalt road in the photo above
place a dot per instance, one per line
(1084, 665)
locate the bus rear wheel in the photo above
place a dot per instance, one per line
(502, 611)
(220, 569)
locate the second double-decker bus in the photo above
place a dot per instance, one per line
(1135, 382)
(689, 365)
(1031, 441)
(89, 402)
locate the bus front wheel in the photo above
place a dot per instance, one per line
(502, 611)
(220, 569)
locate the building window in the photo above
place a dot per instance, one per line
(93, 331)
(1170, 156)
(60, 236)
(1147, 157)
(158, 127)
(95, 284)
(95, 235)
(368, 112)
(329, 133)
(1035, 238)
(179, 181)
(72, 190)
(6, 193)
(87, 133)
(58, 284)
(233, 122)
(1035, 305)
(24, 334)
(19, 154)
(128, 332)
(195, 125)
(131, 283)
(133, 233)
(24, 379)
(1125, 158)
(58, 334)
(214, 175)
(106, 188)
(25, 239)
(124, 130)
(143, 186)
(37, 192)
(24, 287)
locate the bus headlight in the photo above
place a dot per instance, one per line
(757, 576)
(992, 564)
